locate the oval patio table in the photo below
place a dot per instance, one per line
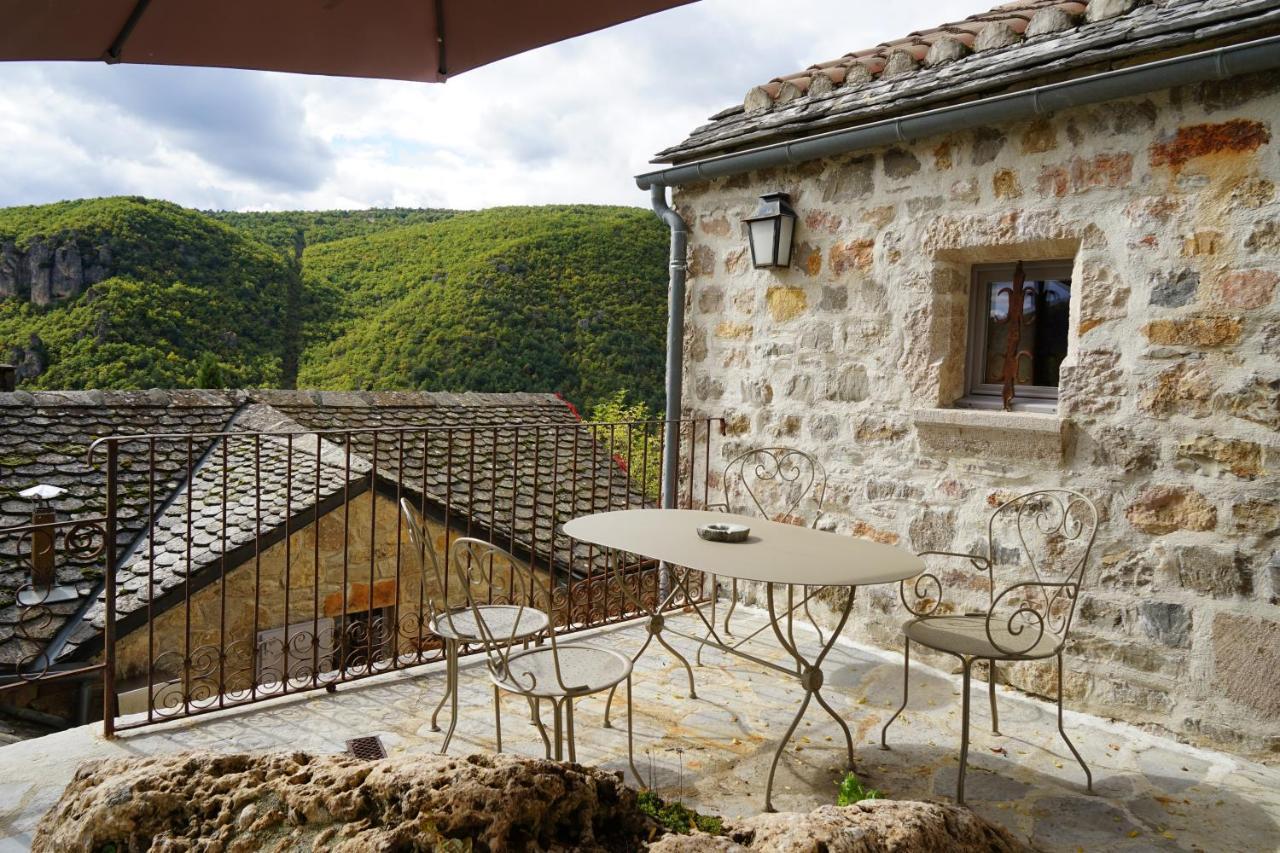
(774, 554)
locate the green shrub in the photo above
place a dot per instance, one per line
(678, 817)
(853, 791)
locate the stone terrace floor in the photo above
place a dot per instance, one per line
(713, 752)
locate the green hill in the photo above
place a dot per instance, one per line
(132, 293)
(568, 299)
(278, 228)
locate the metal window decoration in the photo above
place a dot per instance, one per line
(770, 231)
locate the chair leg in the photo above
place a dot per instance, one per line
(448, 688)
(542, 730)
(1088, 776)
(964, 730)
(991, 692)
(452, 666)
(906, 675)
(733, 605)
(497, 716)
(558, 721)
(568, 728)
(631, 755)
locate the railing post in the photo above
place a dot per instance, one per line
(109, 626)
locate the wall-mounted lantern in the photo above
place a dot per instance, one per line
(44, 550)
(770, 230)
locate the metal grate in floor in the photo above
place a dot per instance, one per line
(369, 748)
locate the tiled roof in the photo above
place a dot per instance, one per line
(1012, 46)
(44, 437)
(516, 471)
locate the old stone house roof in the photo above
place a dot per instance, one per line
(1014, 46)
(486, 480)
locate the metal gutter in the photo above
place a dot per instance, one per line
(1217, 64)
(675, 343)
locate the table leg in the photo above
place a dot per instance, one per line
(811, 679)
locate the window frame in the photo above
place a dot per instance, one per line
(988, 395)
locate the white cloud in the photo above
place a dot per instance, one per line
(567, 123)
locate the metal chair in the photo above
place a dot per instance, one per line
(457, 625)
(1028, 619)
(779, 477)
(553, 672)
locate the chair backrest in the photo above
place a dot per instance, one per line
(476, 562)
(775, 482)
(1043, 538)
(424, 551)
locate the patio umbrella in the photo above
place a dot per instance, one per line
(424, 40)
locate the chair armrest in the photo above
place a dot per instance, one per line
(978, 560)
(924, 596)
(719, 506)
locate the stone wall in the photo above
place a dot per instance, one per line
(1170, 394)
(314, 591)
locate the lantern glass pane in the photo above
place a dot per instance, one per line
(762, 231)
(787, 225)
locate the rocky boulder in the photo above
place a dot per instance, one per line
(871, 826)
(294, 801)
(482, 803)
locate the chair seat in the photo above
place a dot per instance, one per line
(967, 635)
(499, 619)
(584, 669)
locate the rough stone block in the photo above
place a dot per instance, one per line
(933, 530)
(1246, 659)
(1185, 388)
(785, 303)
(1166, 622)
(1164, 509)
(1237, 136)
(1212, 571)
(1005, 184)
(1206, 454)
(900, 163)
(850, 181)
(1248, 288)
(1204, 332)
(987, 142)
(853, 255)
(1258, 516)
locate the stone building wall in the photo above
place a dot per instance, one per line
(1170, 393)
(305, 598)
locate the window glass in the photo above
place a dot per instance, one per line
(1042, 344)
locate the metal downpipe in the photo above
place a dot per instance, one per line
(675, 343)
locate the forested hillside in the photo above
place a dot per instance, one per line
(278, 228)
(568, 299)
(134, 293)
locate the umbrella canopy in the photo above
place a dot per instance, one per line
(424, 40)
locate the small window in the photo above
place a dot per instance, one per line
(1033, 353)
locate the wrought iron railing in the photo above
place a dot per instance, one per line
(228, 568)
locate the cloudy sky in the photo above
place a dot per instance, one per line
(567, 123)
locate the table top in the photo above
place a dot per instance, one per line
(774, 552)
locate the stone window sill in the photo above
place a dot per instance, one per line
(985, 434)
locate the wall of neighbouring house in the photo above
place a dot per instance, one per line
(1170, 394)
(314, 596)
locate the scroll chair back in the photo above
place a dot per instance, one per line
(1043, 539)
(780, 483)
(777, 483)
